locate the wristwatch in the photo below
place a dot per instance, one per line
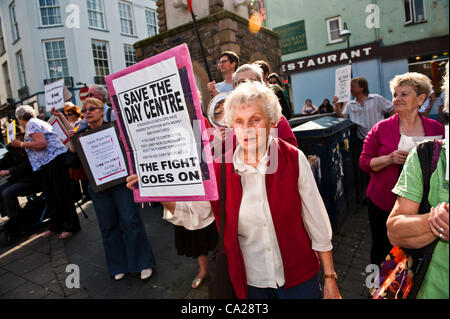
(333, 276)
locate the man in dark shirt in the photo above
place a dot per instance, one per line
(21, 180)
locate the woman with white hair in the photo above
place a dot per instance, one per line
(276, 225)
(253, 73)
(46, 154)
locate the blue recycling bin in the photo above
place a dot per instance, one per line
(327, 143)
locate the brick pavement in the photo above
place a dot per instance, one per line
(36, 267)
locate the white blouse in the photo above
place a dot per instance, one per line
(256, 232)
(190, 215)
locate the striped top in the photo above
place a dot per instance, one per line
(369, 114)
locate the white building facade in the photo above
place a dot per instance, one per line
(78, 40)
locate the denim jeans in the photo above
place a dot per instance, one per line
(125, 242)
(9, 203)
(309, 289)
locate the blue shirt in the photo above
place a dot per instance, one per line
(223, 87)
(54, 145)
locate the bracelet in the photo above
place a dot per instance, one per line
(333, 276)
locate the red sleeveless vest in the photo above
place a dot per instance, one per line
(300, 262)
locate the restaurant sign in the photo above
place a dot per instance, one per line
(331, 58)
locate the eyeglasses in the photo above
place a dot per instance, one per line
(223, 62)
(69, 114)
(90, 109)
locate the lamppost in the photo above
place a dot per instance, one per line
(345, 33)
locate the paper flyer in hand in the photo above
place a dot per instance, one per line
(60, 130)
(11, 132)
(161, 123)
(342, 85)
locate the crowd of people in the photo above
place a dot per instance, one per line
(277, 233)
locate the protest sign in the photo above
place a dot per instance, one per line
(11, 132)
(54, 95)
(60, 130)
(161, 122)
(343, 83)
(102, 156)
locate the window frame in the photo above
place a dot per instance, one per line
(7, 79)
(129, 62)
(47, 60)
(412, 12)
(21, 69)
(156, 26)
(102, 12)
(128, 19)
(107, 57)
(41, 22)
(328, 21)
(2, 39)
(14, 22)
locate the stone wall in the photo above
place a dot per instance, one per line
(219, 32)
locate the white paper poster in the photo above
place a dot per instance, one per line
(104, 156)
(54, 95)
(158, 125)
(343, 82)
(59, 129)
(11, 132)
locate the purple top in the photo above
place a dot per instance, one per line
(383, 139)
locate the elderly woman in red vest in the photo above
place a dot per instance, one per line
(276, 225)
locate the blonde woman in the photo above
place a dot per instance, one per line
(384, 152)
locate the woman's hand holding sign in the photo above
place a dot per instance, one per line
(131, 180)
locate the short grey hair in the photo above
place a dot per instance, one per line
(256, 70)
(25, 112)
(101, 90)
(249, 92)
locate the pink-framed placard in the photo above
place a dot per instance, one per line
(161, 123)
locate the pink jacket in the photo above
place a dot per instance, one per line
(383, 139)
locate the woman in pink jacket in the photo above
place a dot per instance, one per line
(386, 148)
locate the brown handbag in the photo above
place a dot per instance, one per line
(219, 282)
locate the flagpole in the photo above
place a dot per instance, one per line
(199, 40)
